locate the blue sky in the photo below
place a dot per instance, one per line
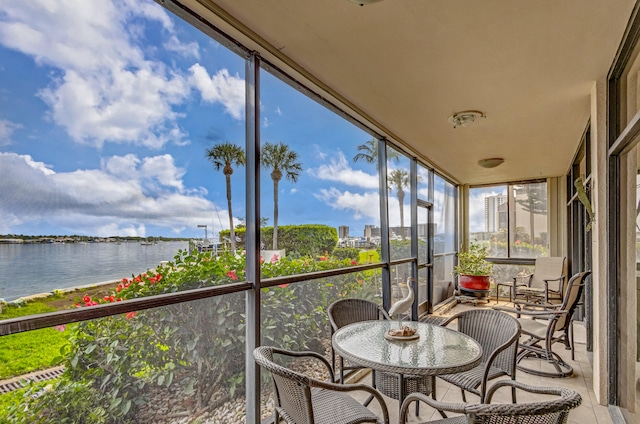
(107, 108)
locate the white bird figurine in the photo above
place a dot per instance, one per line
(404, 305)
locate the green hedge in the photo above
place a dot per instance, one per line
(299, 240)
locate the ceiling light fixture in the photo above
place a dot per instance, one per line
(464, 118)
(490, 162)
(363, 2)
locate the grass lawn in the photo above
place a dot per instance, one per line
(29, 351)
(369, 256)
(30, 308)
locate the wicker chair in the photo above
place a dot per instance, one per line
(301, 399)
(348, 311)
(498, 334)
(554, 411)
(546, 325)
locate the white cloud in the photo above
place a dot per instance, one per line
(423, 181)
(293, 191)
(220, 88)
(365, 205)
(6, 131)
(125, 197)
(149, 10)
(39, 166)
(104, 89)
(126, 230)
(152, 172)
(120, 165)
(319, 153)
(185, 49)
(338, 170)
(278, 111)
(110, 106)
(163, 169)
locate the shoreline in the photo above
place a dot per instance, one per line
(42, 270)
(63, 292)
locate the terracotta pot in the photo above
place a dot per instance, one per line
(474, 282)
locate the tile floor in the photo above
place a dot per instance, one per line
(587, 413)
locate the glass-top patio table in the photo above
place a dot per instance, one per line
(438, 350)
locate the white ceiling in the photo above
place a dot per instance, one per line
(409, 64)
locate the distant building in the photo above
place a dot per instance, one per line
(371, 231)
(343, 231)
(526, 212)
(494, 215)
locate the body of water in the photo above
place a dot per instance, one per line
(27, 269)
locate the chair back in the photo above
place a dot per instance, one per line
(497, 333)
(292, 390)
(347, 311)
(572, 296)
(547, 268)
(551, 410)
(554, 411)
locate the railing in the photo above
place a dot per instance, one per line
(186, 345)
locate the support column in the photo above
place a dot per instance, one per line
(599, 238)
(252, 169)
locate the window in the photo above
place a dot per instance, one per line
(510, 219)
(108, 146)
(399, 204)
(318, 180)
(444, 240)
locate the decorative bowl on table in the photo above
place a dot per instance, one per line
(402, 334)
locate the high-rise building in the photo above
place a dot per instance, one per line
(371, 231)
(343, 231)
(492, 210)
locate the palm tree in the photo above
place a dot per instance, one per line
(225, 155)
(399, 179)
(369, 152)
(279, 158)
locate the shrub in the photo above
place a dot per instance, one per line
(64, 402)
(198, 344)
(301, 240)
(346, 253)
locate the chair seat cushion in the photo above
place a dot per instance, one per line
(331, 407)
(532, 327)
(470, 380)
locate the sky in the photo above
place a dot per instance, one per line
(107, 109)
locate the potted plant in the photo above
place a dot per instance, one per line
(473, 270)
